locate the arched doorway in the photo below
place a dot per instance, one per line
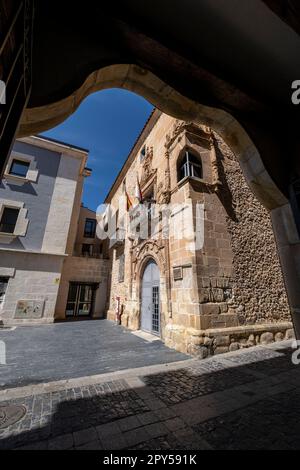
(150, 299)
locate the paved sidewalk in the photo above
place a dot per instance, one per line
(249, 399)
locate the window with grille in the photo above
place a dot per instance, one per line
(155, 309)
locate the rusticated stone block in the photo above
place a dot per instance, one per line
(234, 346)
(279, 336)
(251, 340)
(289, 334)
(267, 338)
(210, 309)
(222, 341)
(204, 296)
(207, 341)
(224, 307)
(221, 350)
(201, 352)
(209, 321)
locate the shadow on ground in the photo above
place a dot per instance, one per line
(190, 408)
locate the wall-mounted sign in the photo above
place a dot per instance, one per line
(178, 273)
(29, 309)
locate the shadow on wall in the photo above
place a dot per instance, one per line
(91, 407)
(225, 194)
(26, 188)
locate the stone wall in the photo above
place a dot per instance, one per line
(204, 343)
(259, 294)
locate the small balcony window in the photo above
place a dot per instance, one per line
(189, 166)
(8, 220)
(19, 168)
(90, 228)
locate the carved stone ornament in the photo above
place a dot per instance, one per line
(147, 170)
(180, 126)
(154, 248)
(164, 188)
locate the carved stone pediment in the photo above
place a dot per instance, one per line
(197, 130)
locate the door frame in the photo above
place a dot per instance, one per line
(145, 264)
(94, 286)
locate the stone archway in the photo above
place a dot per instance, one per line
(150, 310)
(168, 100)
(148, 251)
(163, 96)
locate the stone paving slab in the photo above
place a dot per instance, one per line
(60, 351)
(221, 403)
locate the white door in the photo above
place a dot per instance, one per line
(150, 312)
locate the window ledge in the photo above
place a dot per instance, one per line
(16, 179)
(7, 237)
(187, 179)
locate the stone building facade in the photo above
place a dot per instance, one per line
(41, 229)
(225, 294)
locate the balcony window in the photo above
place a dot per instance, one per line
(189, 166)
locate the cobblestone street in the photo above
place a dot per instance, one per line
(249, 399)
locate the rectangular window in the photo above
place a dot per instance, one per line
(3, 287)
(8, 220)
(19, 168)
(90, 228)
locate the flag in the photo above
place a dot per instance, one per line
(128, 201)
(138, 192)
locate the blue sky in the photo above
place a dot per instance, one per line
(107, 123)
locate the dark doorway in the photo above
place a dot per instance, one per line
(80, 299)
